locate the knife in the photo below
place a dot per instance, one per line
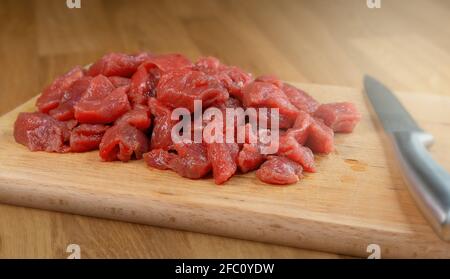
(428, 183)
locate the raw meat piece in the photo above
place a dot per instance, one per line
(320, 137)
(208, 64)
(251, 134)
(182, 87)
(233, 104)
(119, 81)
(162, 125)
(70, 124)
(279, 170)
(250, 158)
(143, 56)
(313, 133)
(291, 149)
(222, 161)
(191, 160)
(41, 132)
(138, 117)
(232, 78)
(300, 130)
(142, 86)
(144, 81)
(284, 122)
(159, 158)
(65, 110)
(87, 137)
(114, 64)
(270, 79)
(50, 98)
(234, 149)
(168, 62)
(341, 117)
(102, 102)
(258, 138)
(300, 98)
(263, 94)
(120, 142)
(229, 103)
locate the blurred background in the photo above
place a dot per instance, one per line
(404, 43)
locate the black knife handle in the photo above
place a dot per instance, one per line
(428, 182)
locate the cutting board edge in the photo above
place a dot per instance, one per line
(287, 231)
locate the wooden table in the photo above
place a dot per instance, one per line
(404, 43)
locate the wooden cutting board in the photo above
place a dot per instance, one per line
(356, 198)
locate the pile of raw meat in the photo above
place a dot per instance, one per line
(122, 106)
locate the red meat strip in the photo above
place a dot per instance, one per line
(299, 98)
(162, 126)
(232, 78)
(251, 155)
(143, 56)
(169, 62)
(300, 130)
(102, 102)
(291, 149)
(250, 158)
(234, 150)
(264, 94)
(341, 117)
(144, 81)
(229, 103)
(270, 79)
(284, 122)
(114, 64)
(119, 81)
(159, 158)
(279, 170)
(251, 134)
(65, 110)
(222, 160)
(142, 86)
(320, 137)
(191, 160)
(182, 87)
(41, 132)
(51, 97)
(138, 117)
(70, 124)
(87, 137)
(208, 64)
(120, 142)
(313, 133)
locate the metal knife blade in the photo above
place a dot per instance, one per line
(427, 181)
(391, 112)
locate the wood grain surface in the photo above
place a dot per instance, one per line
(357, 197)
(405, 44)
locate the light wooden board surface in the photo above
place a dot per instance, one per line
(404, 44)
(356, 197)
